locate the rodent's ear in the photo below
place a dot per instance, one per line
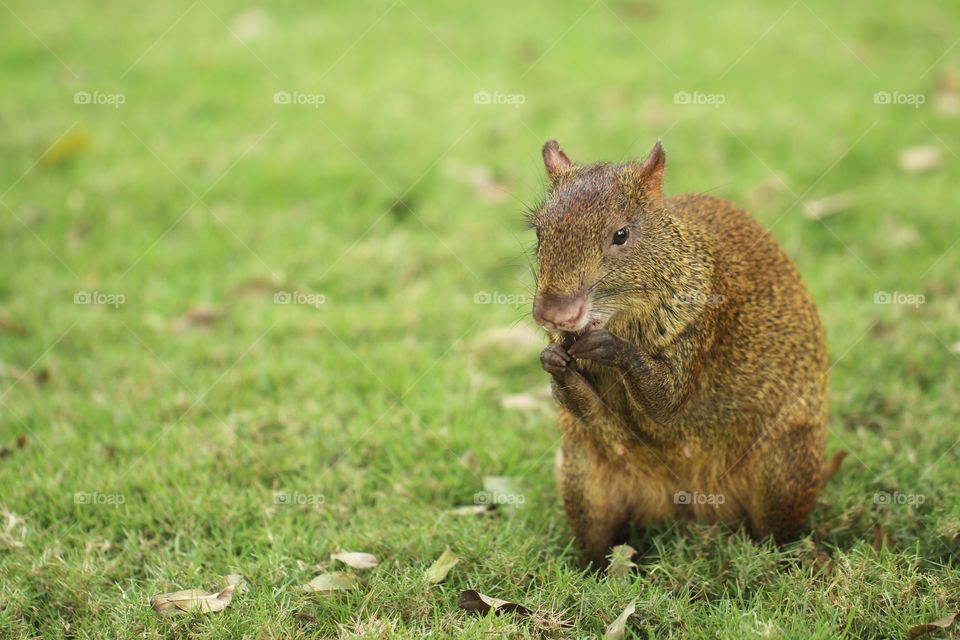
(650, 172)
(555, 160)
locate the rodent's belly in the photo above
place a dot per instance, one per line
(689, 480)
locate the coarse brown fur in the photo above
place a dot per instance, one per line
(698, 389)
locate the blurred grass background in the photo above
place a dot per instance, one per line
(379, 157)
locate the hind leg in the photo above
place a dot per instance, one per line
(598, 514)
(787, 476)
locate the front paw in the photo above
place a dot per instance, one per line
(554, 360)
(602, 347)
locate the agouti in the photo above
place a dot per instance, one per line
(687, 358)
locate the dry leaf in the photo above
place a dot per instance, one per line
(437, 572)
(475, 602)
(923, 629)
(512, 338)
(920, 159)
(66, 147)
(621, 561)
(328, 582)
(356, 559)
(237, 581)
(539, 401)
(500, 492)
(14, 530)
(819, 209)
(250, 25)
(472, 510)
(618, 629)
(198, 317)
(168, 604)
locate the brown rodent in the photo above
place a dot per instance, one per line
(687, 358)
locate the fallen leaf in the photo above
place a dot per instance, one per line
(236, 580)
(830, 469)
(621, 562)
(472, 510)
(328, 582)
(475, 602)
(168, 604)
(198, 317)
(828, 206)
(920, 159)
(250, 25)
(14, 530)
(356, 559)
(500, 492)
(923, 629)
(618, 629)
(66, 147)
(437, 572)
(539, 401)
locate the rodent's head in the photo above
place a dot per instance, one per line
(598, 235)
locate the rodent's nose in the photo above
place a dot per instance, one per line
(561, 313)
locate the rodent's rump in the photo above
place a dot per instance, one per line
(687, 357)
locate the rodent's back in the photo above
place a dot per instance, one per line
(769, 347)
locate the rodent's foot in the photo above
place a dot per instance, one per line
(601, 346)
(554, 360)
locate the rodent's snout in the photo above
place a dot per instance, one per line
(559, 312)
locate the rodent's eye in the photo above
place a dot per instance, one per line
(620, 237)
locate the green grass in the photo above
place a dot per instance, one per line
(199, 192)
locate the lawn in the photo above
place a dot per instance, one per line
(264, 296)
